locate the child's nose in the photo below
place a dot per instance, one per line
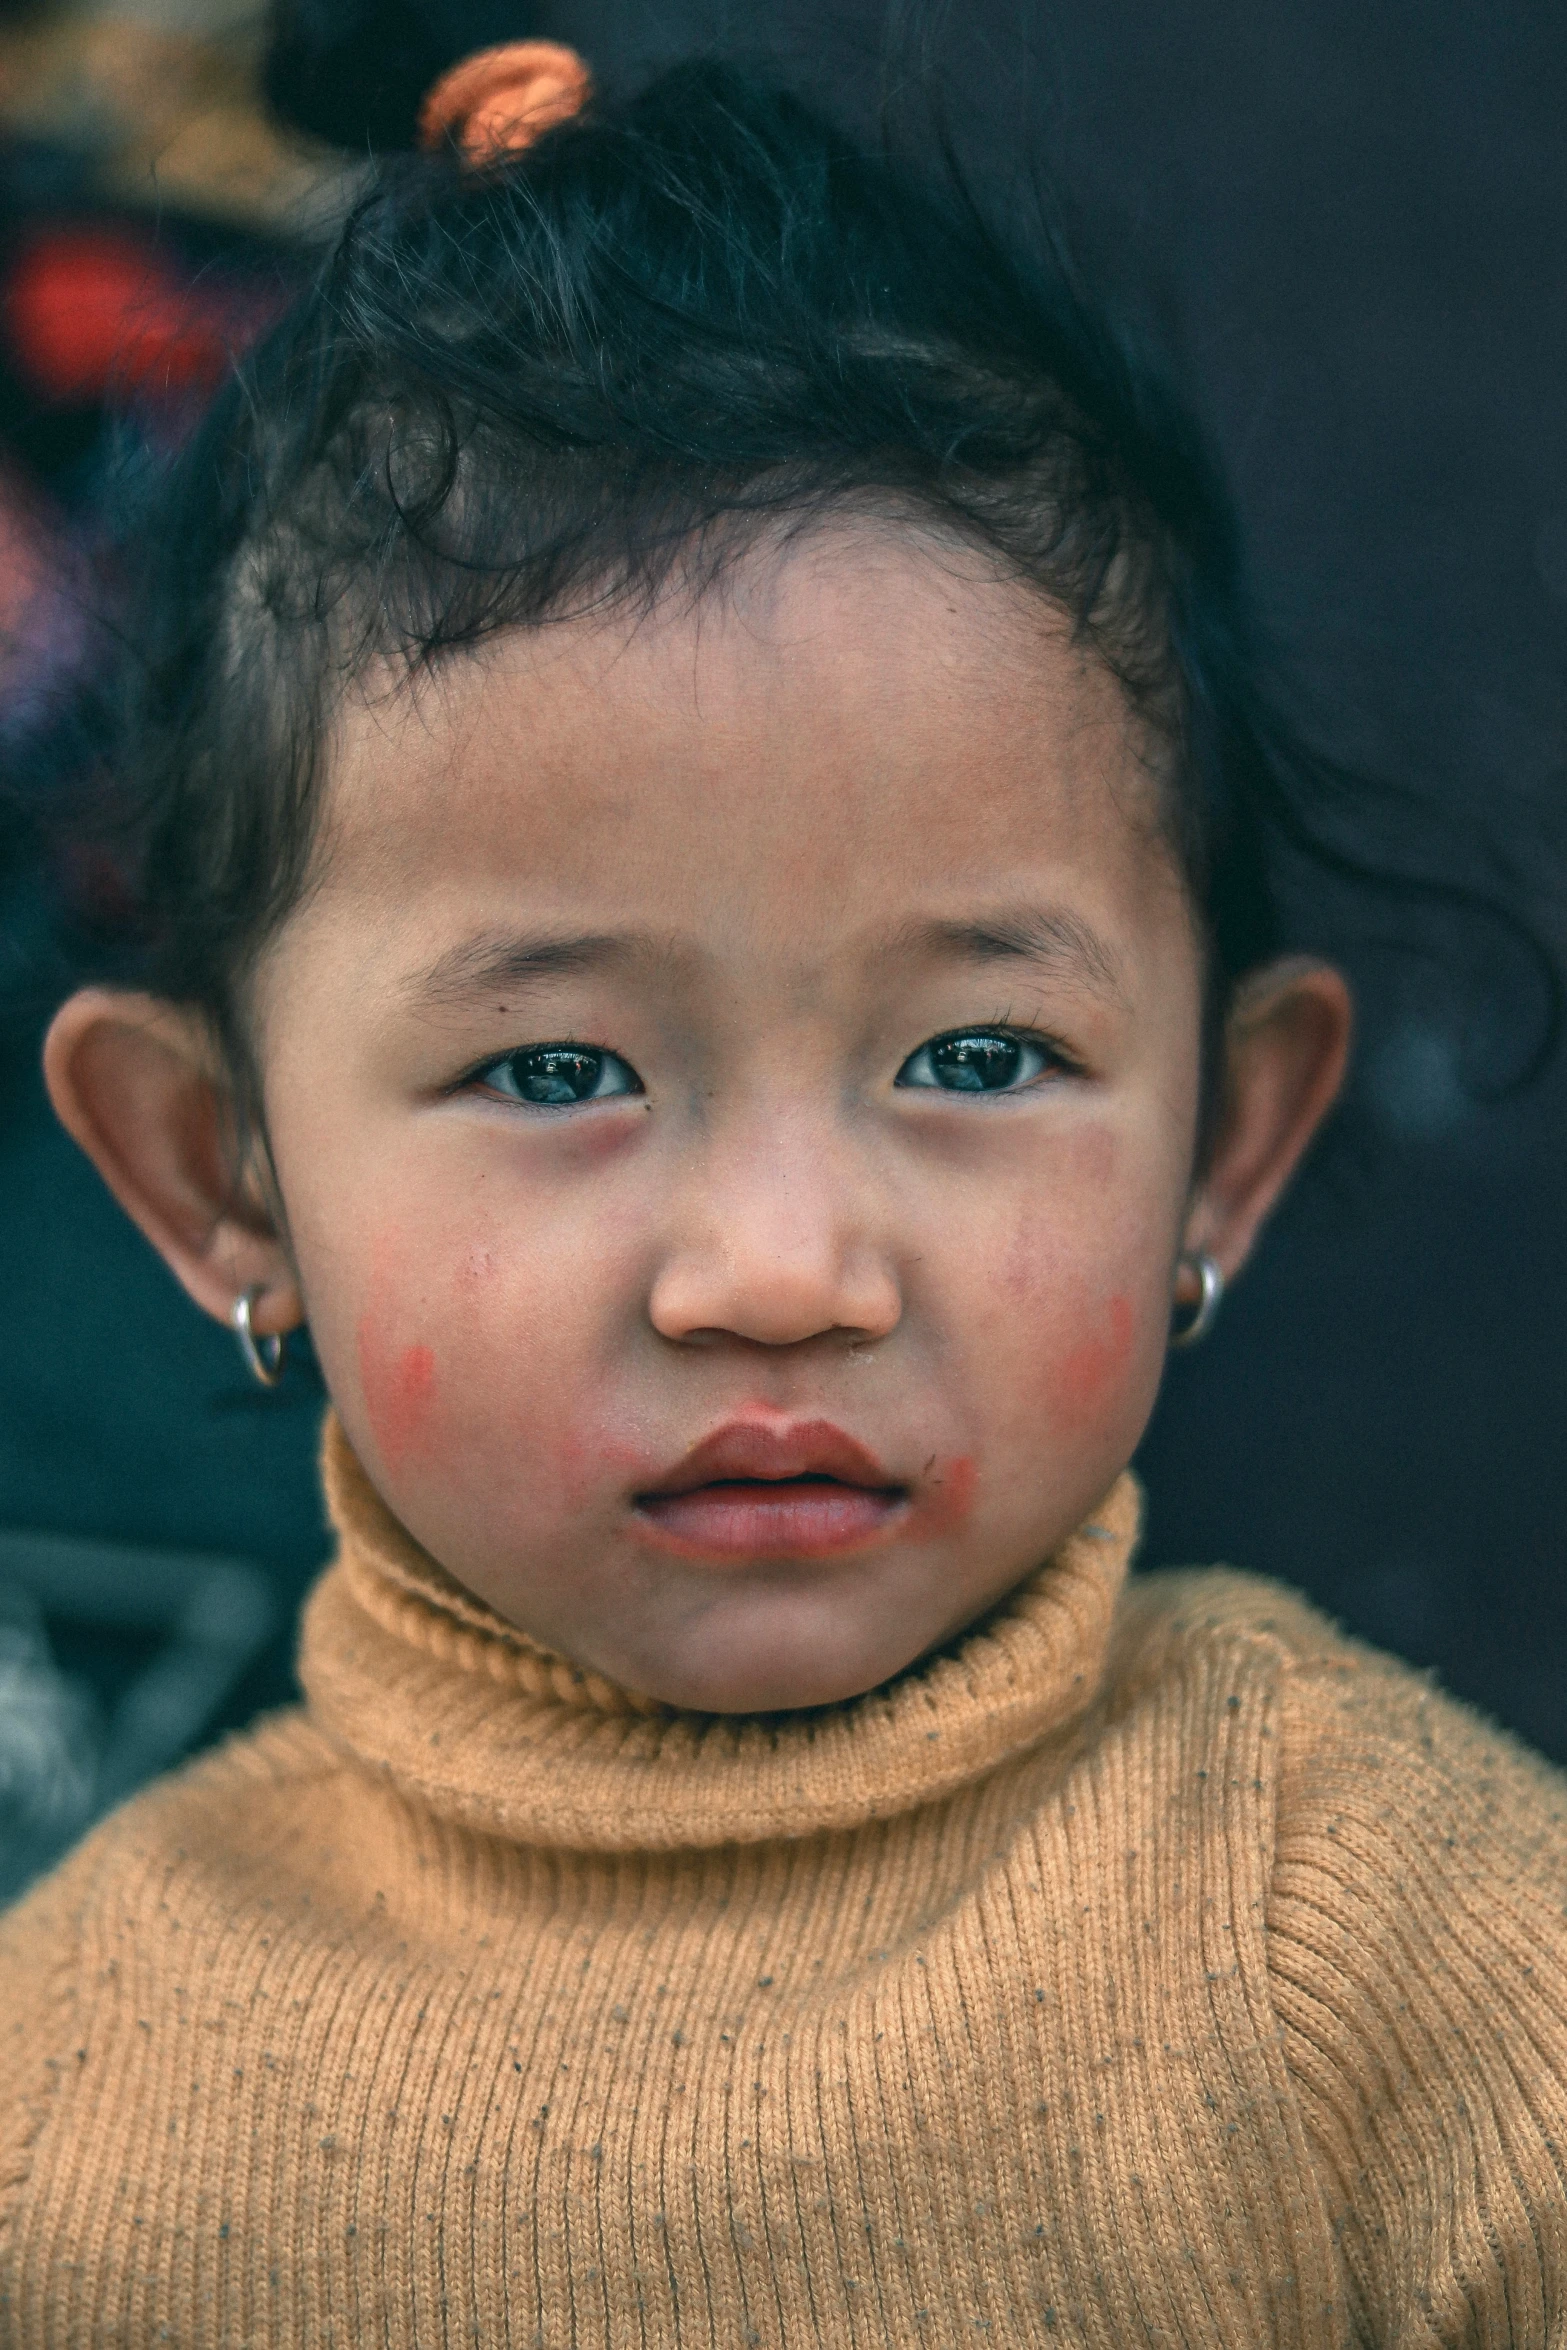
(776, 1243)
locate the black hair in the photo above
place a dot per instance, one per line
(682, 321)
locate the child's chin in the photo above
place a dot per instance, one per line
(764, 1693)
(776, 1676)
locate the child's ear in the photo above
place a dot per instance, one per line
(1286, 1044)
(137, 1082)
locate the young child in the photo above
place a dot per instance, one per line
(706, 844)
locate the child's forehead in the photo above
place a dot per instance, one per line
(846, 684)
(850, 747)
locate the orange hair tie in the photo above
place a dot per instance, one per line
(499, 101)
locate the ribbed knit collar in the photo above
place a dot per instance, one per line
(462, 1712)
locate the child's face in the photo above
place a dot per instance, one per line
(763, 854)
(733, 1093)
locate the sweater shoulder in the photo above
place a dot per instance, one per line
(1233, 1625)
(59, 1941)
(1211, 1607)
(206, 1806)
(1417, 1963)
(1357, 1726)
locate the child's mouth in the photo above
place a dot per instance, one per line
(786, 1517)
(758, 1491)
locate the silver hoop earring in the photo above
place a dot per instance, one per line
(263, 1357)
(1207, 1307)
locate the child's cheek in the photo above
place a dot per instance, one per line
(943, 1506)
(397, 1365)
(463, 1390)
(1092, 1373)
(399, 1390)
(1049, 1246)
(1079, 1335)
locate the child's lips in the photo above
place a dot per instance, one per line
(754, 1490)
(805, 1518)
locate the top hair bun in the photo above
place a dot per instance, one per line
(500, 100)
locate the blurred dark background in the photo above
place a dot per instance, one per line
(1347, 229)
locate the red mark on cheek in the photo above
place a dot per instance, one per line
(399, 1393)
(945, 1502)
(1095, 1365)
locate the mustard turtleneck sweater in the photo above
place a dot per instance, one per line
(1156, 1967)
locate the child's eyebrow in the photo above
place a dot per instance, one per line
(1053, 936)
(479, 965)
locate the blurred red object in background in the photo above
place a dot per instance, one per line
(94, 311)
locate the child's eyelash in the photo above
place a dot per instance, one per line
(1008, 1024)
(1003, 1023)
(512, 1052)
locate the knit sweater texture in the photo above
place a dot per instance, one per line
(1155, 1966)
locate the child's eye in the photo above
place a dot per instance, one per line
(978, 1060)
(556, 1075)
